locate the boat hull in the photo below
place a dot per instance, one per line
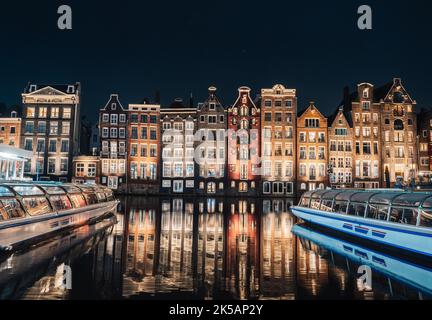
(411, 239)
(14, 235)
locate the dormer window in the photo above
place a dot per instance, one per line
(212, 106)
(70, 89)
(32, 87)
(13, 114)
(366, 93)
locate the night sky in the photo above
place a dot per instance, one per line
(137, 47)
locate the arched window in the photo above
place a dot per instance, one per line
(398, 124)
(321, 186)
(244, 111)
(303, 186)
(244, 124)
(312, 172)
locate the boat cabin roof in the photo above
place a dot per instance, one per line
(377, 197)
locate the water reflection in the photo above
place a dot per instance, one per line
(189, 248)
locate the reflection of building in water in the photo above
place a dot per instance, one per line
(176, 239)
(277, 251)
(242, 250)
(210, 249)
(105, 264)
(312, 271)
(141, 250)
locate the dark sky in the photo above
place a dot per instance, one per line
(136, 47)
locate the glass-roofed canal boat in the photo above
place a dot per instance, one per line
(398, 219)
(30, 212)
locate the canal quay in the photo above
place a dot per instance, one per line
(192, 248)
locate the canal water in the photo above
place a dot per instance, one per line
(188, 248)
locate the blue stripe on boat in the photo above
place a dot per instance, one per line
(369, 238)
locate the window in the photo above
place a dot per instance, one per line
(30, 112)
(312, 123)
(63, 165)
(55, 112)
(29, 127)
(67, 113)
(122, 133)
(60, 202)
(40, 145)
(122, 118)
(153, 134)
(114, 119)
(53, 127)
(78, 200)
(41, 127)
(52, 146)
(105, 117)
(51, 165)
(79, 171)
(377, 212)
(65, 127)
(36, 206)
(366, 148)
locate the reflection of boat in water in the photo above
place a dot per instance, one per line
(30, 212)
(400, 220)
(414, 275)
(22, 269)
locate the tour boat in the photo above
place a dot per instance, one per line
(30, 212)
(415, 275)
(401, 220)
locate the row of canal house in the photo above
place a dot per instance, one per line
(264, 145)
(256, 145)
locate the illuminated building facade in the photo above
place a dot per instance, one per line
(340, 137)
(278, 140)
(424, 125)
(113, 152)
(50, 129)
(399, 134)
(10, 131)
(312, 149)
(178, 126)
(86, 169)
(210, 145)
(243, 144)
(143, 145)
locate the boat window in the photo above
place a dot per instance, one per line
(61, 202)
(78, 200)
(11, 209)
(326, 205)
(377, 212)
(36, 206)
(101, 196)
(304, 202)
(410, 216)
(71, 189)
(5, 192)
(426, 218)
(315, 203)
(356, 209)
(90, 198)
(410, 199)
(340, 207)
(53, 190)
(28, 190)
(109, 194)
